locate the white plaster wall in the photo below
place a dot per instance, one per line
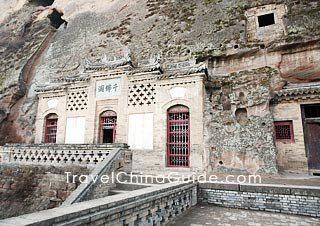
(140, 134)
(75, 130)
(51, 103)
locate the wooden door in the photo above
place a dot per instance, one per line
(311, 123)
(313, 139)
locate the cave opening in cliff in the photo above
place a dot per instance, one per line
(56, 19)
(42, 2)
(266, 20)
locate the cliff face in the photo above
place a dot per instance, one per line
(34, 52)
(26, 189)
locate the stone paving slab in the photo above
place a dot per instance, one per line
(209, 215)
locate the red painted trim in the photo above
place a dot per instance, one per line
(179, 143)
(99, 130)
(50, 117)
(283, 123)
(101, 117)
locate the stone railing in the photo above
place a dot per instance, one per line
(112, 163)
(58, 154)
(155, 205)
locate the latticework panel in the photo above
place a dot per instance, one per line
(77, 100)
(142, 94)
(283, 131)
(58, 156)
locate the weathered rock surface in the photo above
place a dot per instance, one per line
(26, 189)
(214, 31)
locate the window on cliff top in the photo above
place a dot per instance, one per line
(266, 20)
(41, 2)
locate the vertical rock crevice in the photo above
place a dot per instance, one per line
(11, 130)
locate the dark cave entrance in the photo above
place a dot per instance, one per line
(56, 19)
(41, 2)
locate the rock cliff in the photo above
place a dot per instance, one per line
(42, 41)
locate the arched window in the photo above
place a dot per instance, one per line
(50, 131)
(178, 136)
(107, 127)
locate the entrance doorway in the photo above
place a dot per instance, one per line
(178, 137)
(311, 125)
(107, 127)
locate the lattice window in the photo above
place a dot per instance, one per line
(178, 150)
(283, 131)
(77, 100)
(142, 94)
(50, 134)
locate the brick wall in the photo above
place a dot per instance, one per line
(280, 199)
(291, 155)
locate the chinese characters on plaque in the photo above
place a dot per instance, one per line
(108, 88)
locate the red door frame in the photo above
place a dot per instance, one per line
(283, 123)
(50, 117)
(168, 138)
(114, 124)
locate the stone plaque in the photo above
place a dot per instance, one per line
(108, 88)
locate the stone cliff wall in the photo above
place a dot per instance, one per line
(239, 124)
(26, 189)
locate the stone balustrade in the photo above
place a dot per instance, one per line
(58, 154)
(154, 205)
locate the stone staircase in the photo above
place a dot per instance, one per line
(117, 161)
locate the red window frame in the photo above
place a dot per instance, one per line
(107, 118)
(288, 124)
(178, 152)
(51, 122)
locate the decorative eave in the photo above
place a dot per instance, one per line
(152, 68)
(107, 63)
(150, 65)
(47, 89)
(298, 92)
(185, 72)
(77, 78)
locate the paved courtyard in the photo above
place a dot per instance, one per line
(205, 215)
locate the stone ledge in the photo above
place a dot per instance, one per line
(264, 188)
(269, 189)
(220, 186)
(67, 146)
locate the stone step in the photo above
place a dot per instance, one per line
(116, 192)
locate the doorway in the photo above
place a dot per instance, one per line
(107, 127)
(311, 126)
(107, 136)
(178, 137)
